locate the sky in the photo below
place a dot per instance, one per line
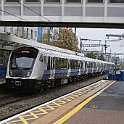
(100, 34)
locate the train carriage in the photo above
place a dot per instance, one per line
(34, 68)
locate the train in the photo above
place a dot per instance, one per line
(35, 68)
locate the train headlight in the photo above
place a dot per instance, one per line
(10, 72)
(29, 73)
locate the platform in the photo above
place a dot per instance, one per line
(100, 103)
(106, 108)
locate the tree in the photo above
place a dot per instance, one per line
(21, 32)
(2, 54)
(91, 55)
(94, 56)
(101, 57)
(67, 39)
(47, 37)
(4, 57)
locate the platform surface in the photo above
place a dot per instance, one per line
(100, 103)
(106, 108)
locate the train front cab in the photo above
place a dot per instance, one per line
(20, 67)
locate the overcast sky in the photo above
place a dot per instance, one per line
(100, 34)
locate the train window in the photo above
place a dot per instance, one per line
(60, 63)
(93, 65)
(48, 65)
(32, 0)
(68, 64)
(12, 0)
(81, 64)
(74, 64)
(116, 1)
(41, 58)
(46, 59)
(65, 63)
(58, 1)
(75, 1)
(23, 58)
(85, 65)
(90, 64)
(95, 1)
(56, 63)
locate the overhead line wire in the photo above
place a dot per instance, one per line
(35, 12)
(12, 14)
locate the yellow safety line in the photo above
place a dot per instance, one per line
(76, 109)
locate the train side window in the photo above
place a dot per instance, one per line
(65, 62)
(48, 65)
(45, 59)
(68, 64)
(85, 65)
(41, 58)
(56, 63)
(74, 64)
(95, 65)
(91, 65)
(71, 64)
(53, 62)
(61, 63)
(79, 63)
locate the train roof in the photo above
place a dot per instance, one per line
(48, 50)
(77, 56)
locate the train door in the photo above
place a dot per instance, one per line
(52, 67)
(86, 67)
(79, 66)
(69, 68)
(97, 64)
(83, 67)
(92, 67)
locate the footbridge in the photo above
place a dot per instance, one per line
(59, 13)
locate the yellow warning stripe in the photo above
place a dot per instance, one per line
(51, 106)
(75, 110)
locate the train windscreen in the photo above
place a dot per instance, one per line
(22, 61)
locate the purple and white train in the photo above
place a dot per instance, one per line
(33, 68)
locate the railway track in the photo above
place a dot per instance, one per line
(9, 97)
(13, 103)
(9, 100)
